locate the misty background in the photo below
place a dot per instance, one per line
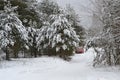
(82, 7)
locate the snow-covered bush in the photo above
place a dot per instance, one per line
(108, 40)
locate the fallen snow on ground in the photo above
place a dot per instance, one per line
(46, 68)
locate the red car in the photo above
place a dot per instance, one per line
(79, 50)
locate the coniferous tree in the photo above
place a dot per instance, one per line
(45, 8)
(48, 7)
(26, 13)
(74, 19)
(11, 28)
(60, 35)
(32, 41)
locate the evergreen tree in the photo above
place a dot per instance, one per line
(43, 38)
(60, 35)
(11, 28)
(45, 8)
(73, 18)
(26, 13)
(48, 7)
(32, 41)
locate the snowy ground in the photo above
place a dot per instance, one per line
(45, 68)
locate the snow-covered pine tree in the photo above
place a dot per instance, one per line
(48, 7)
(45, 8)
(60, 35)
(32, 41)
(31, 15)
(11, 28)
(43, 38)
(25, 11)
(74, 19)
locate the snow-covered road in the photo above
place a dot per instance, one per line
(45, 68)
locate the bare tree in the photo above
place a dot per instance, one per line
(109, 39)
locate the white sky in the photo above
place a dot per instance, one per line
(82, 8)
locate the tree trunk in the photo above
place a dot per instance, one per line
(7, 54)
(15, 55)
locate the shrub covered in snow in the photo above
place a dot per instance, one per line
(108, 40)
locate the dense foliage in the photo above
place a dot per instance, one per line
(31, 29)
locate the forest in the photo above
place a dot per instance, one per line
(30, 29)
